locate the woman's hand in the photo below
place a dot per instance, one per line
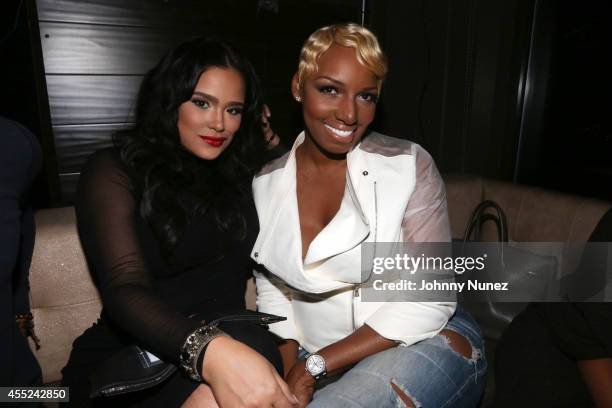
(288, 350)
(241, 377)
(272, 139)
(301, 383)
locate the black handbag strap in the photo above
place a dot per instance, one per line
(479, 217)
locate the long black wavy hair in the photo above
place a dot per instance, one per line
(172, 184)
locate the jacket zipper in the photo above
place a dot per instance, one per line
(357, 291)
(355, 296)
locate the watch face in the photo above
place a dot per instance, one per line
(315, 364)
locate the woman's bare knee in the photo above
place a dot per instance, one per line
(457, 342)
(402, 395)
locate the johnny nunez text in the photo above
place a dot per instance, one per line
(435, 285)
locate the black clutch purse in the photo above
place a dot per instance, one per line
(134, 369)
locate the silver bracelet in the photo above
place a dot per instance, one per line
(195, 344)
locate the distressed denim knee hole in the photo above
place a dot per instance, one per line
(404, 397)
(460, 344)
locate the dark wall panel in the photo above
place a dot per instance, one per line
(23, 95)
(455, 70)
(95, 49)
(70, 48)
(566, 134)
(76, 142)
(143, 13)
(85, 99)
(258, 18)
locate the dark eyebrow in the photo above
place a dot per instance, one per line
(214, 99)
(207, 96)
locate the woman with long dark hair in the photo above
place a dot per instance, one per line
(167, 221)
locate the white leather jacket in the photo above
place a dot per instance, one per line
(393, 193)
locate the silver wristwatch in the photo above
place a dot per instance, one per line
(315, 366)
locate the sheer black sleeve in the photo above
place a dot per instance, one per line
(106, 216)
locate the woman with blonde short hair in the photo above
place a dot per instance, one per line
(340, 188)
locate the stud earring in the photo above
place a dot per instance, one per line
(298, 98)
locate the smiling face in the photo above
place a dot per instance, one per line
(207, 122)
(339, 101)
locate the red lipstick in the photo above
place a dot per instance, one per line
(213, 141)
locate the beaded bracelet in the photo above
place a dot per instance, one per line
(25, 323)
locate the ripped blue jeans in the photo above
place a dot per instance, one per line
(430, 373)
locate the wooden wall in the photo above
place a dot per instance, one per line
(95, 53)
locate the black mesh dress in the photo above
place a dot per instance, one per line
(147, 299)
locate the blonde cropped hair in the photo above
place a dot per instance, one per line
(365, 43)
